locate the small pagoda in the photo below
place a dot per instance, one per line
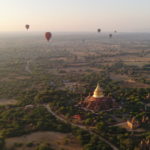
(98, 102)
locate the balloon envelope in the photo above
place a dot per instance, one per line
(98, 30)
(110, 35)
(48, 35)
(27, 26)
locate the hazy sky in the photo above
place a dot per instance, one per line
(75, 15)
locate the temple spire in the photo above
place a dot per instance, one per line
(98, 93)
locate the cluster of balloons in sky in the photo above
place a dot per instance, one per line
(110, 35)
(48, 35)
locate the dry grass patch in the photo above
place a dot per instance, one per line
(4, 102)
(58, 141)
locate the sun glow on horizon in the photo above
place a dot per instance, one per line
(85, 15)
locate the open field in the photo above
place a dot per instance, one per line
(58, 141)
(4, 102)
(127, 81)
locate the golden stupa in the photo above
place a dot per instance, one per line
(98, 93)
(98, 101)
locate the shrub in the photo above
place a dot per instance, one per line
(44, 146)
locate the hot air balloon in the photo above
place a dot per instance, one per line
(99, 30)
(110, 35)
(48, 35)
(27, 26)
